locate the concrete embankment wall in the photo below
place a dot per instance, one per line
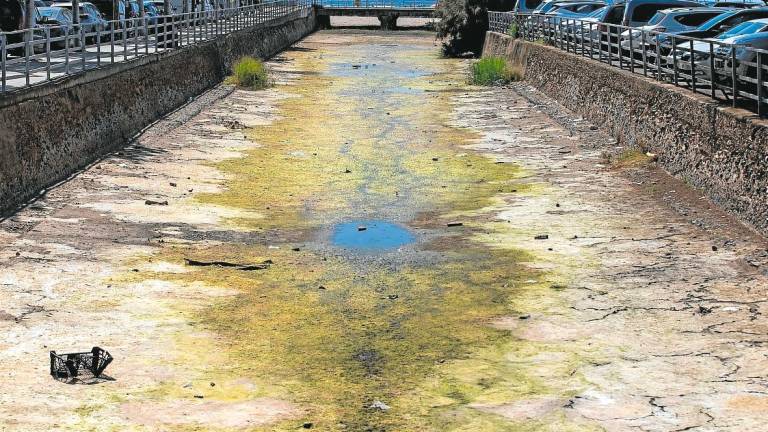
(719, 150)
(50, 131)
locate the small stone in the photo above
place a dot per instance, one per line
(379, 405)
(307, 425)
(455, 224)
(321, 287)
(347, 171)
(557, 204)
(524, 317)
(435, 159)
(542, 237)
(152, 202)
(714, 248)
(172, 184)
(296, 249)
(199, 396)
(213, 384)
(392, 296)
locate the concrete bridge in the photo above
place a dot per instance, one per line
(386, 11)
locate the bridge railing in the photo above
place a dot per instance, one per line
(722, 71)
(47, 52)
(375, 4)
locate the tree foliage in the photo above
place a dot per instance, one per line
(462, 23)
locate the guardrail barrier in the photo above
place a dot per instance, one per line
(46, 52)
(720, 70)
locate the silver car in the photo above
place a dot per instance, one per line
(668, 21)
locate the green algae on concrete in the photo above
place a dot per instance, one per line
(339, 335)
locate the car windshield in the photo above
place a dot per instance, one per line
(712, 22)
(47, 12)
(742, 29)
(598, 12)
(657, 18)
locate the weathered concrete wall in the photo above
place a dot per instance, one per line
(719, 150)
(48, 132)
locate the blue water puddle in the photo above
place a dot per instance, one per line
(370, 235)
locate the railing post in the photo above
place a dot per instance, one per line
(48, 53)
(759, 84)
(82, 46)
(693, 68)
(27, 40)
(631, 53)
(674, 61)
(645, 51)
(734, 75)
(4, 53)
(712, 74)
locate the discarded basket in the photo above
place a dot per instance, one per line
(83, 364)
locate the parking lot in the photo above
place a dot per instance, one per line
(716, 51)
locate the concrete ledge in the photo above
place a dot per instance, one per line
(49, 131)
(720, 150)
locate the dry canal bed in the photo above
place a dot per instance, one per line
(373, 245)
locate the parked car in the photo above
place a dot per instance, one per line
(669, 21)
(638, 12)
(748, 34)
(59, 22)
(151, 12)
(725, 22)
(575, 9)
(12, 18)
(526, 6)
(90, 17)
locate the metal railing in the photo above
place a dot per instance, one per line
(722, 71)
(375, 4)
(44, 53)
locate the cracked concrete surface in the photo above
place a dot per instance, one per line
(648, 315)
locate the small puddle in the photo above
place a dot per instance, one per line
(370, 234)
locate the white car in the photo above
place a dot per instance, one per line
(750, 34)
(668, 21)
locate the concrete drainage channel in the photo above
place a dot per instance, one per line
(49, 132)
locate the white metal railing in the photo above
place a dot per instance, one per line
(720, 70)
(44, 53)
(375, 4)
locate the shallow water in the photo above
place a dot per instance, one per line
(370, 235)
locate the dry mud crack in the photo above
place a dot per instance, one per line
(551, 280)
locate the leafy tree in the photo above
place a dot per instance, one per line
(462, 23)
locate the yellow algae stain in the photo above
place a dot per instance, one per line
(403, 343)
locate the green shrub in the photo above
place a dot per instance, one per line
(494, 70)
(250, 73)
(462, 23)
(512, 30)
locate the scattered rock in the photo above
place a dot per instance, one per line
(542, 237)
(199, 396)
(455, 224)
(392, 296)
(347, 171)
(152, 202)
(296, 249)
(307, 425)
(524, 317)
(172, 184)
(379, 405)
(652, 156)
(321, 287)
(705, 310)
(435, 159)
(714, 248)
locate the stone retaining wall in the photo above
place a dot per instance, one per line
(719, 150)
(50, 131)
